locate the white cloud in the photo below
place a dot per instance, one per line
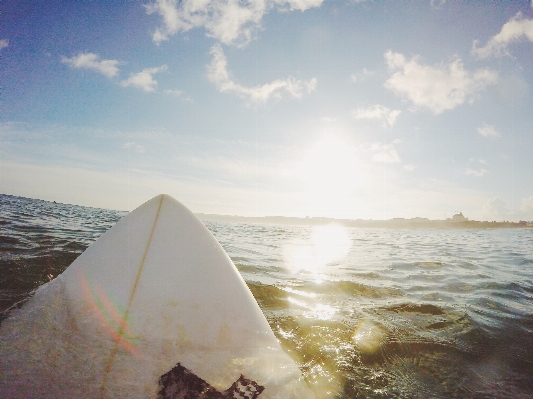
(437, 3)
(495, 209)
(228, 21)
(515, 29)
(134, 146)
(4, 43)
(92, 61)
(488, 131)
(482, 161)
(175, 93)
(527, 205)
(378, 112)
(218, 74)
(144, 80)
(235, 170)
(439, 87)
(300, 5)
(476, 173)
(385, 153)
(409, 167)
(361, 76)
(178, 93)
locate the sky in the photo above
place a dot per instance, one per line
(337, 108)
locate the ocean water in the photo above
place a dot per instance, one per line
(366, 313)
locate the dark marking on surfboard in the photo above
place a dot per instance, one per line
(180, 383)
(244, 388)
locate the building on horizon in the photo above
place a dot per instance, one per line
(459, 217)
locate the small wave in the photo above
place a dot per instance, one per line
(269, 297)
(417, 308)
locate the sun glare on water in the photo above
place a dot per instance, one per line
(311, 257)
(325, 245)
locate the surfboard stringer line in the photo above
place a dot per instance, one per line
(123, 322)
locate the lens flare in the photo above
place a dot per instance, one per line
(113, 320)
(369, 337)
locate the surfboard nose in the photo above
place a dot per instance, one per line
(155, 290)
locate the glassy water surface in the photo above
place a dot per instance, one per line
(367, 313)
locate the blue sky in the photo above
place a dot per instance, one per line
(338, 108)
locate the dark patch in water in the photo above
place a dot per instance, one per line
(439, 325)
(268, 296)
(20, 276)
(418, 308)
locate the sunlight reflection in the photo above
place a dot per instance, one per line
(330, 242)
(326, 244)
(325, 383)
(298, 292)
(317, 311)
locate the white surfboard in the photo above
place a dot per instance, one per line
(153, 306)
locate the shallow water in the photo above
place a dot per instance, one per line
(367, 313)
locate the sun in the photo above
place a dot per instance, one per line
(330, 174)
(328, 166)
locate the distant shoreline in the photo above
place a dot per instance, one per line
(391, 223)
(396, 223)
